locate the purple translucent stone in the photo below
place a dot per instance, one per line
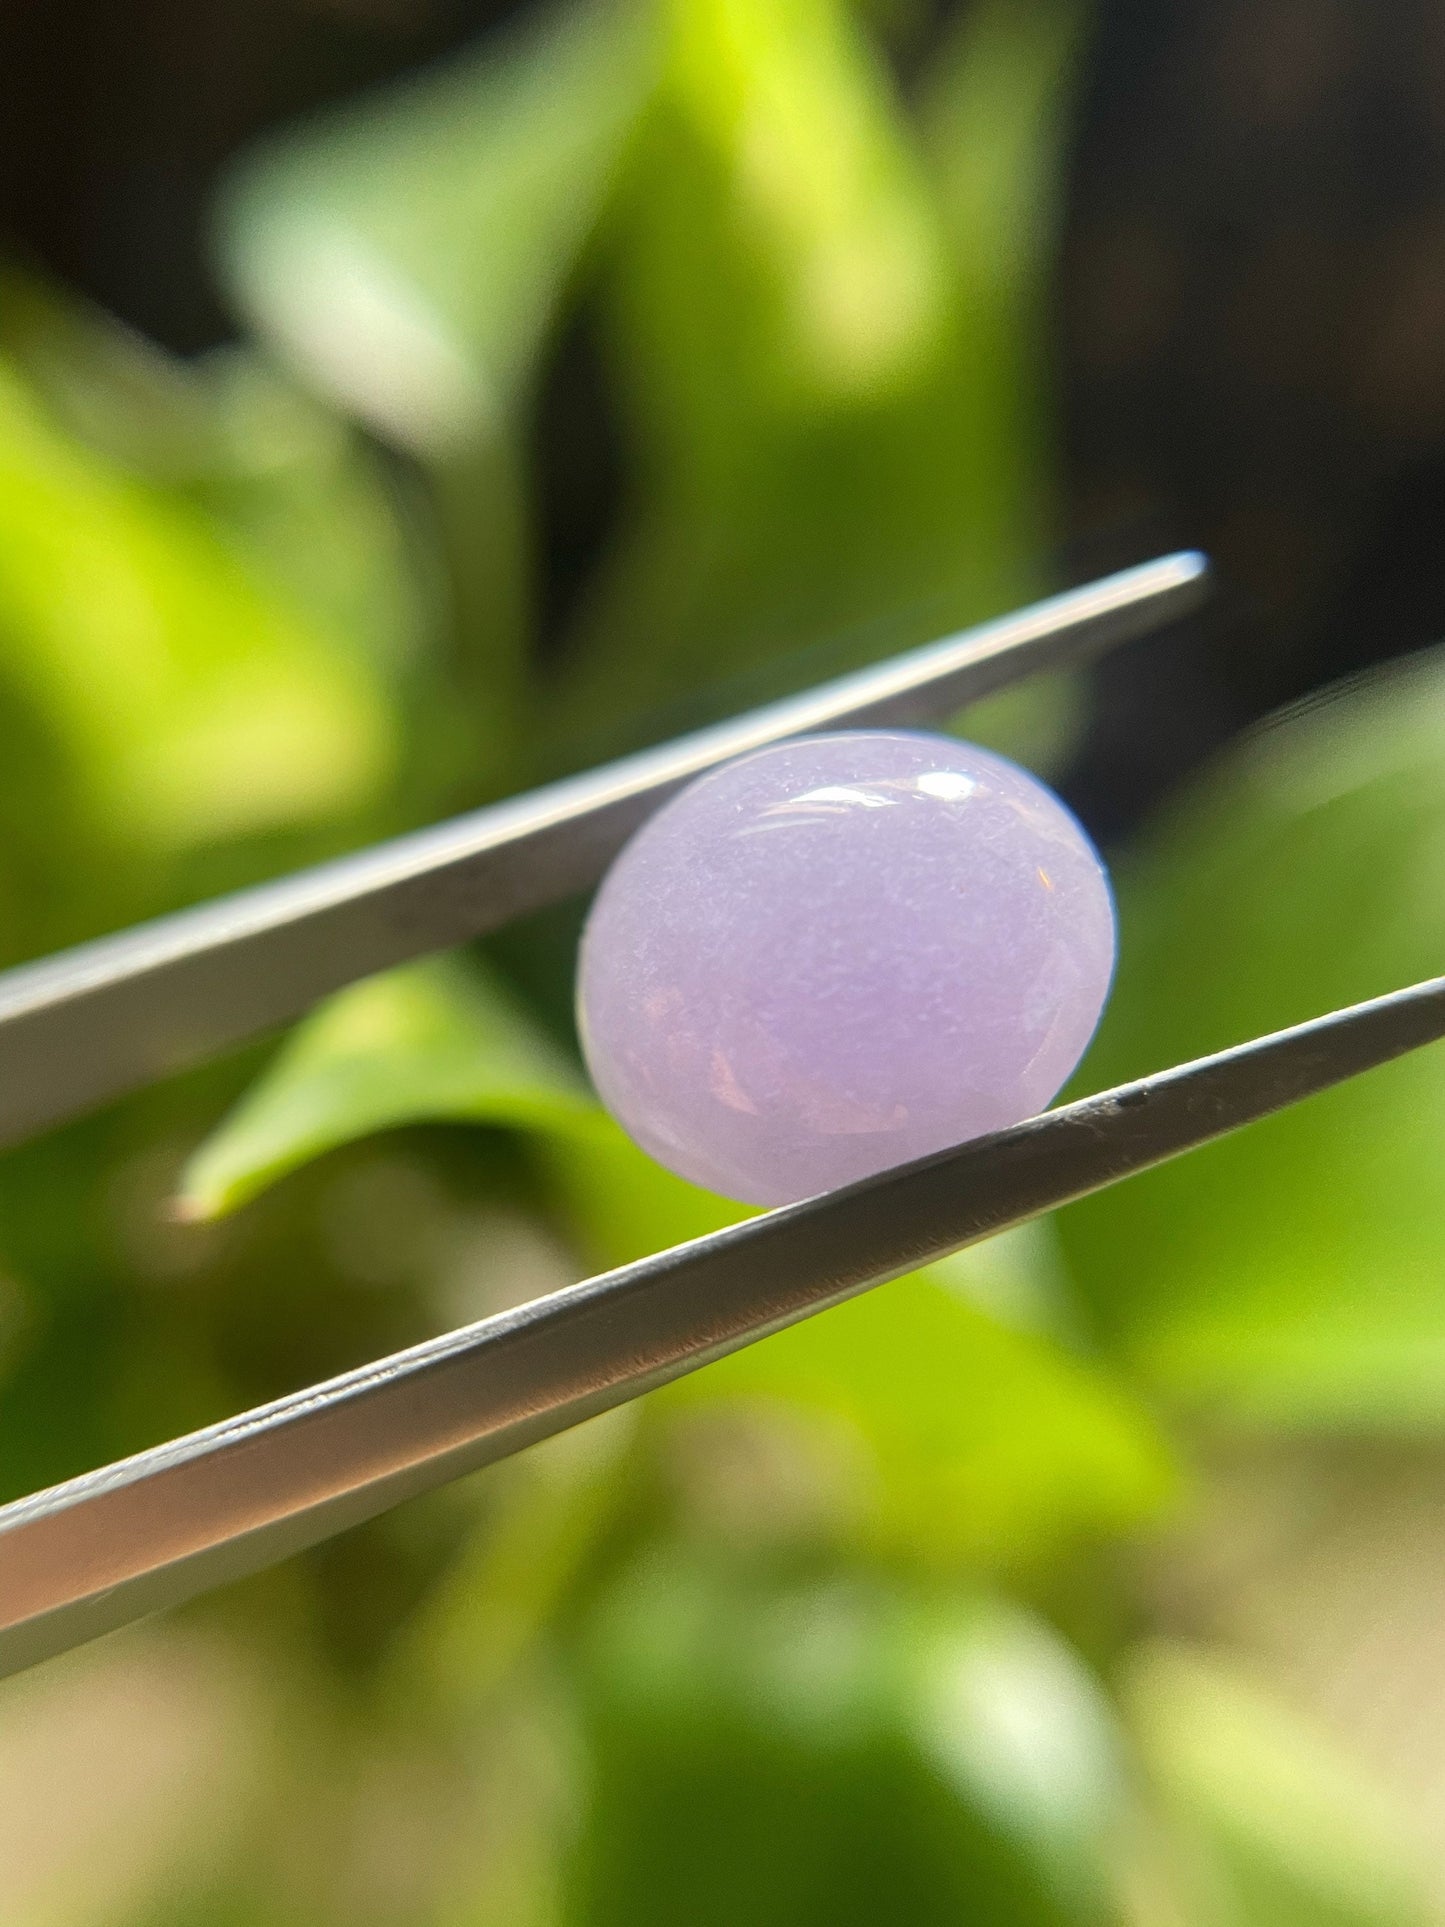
(841, 953)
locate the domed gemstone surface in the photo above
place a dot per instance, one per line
(841, 953)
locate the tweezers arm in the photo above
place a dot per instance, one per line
(102, 1019)
(150, 1531)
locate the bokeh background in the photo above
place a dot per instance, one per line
(400, 404)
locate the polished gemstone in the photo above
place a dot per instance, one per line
(841, 953)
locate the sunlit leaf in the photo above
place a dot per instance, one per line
(408, 252)
(835, 1753)
(838, 273)
(306, 499)
(192, 700)
(1294, 1273)
(287, 479)
(435, 1040)
(988, 101)
(291, 486)
(103, 383)
(841, 439)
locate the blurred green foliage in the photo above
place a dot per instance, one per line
(1291, 1275)
(851, 1626)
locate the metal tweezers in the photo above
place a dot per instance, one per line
(101, 1550)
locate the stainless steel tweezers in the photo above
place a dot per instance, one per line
(99, 1551)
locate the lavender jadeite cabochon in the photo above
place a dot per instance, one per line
(841, 953)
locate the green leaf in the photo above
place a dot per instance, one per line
(842, 439)
(552, 1511)
(1293, 1274)
(191, 699)
(409, 255)
(1266, 1818)
(104, 384)
(1037, 722)
(834, 1753)
(290, 485)
(437, 1039)
(300, 491)
(984, 1446)
(409, 252)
